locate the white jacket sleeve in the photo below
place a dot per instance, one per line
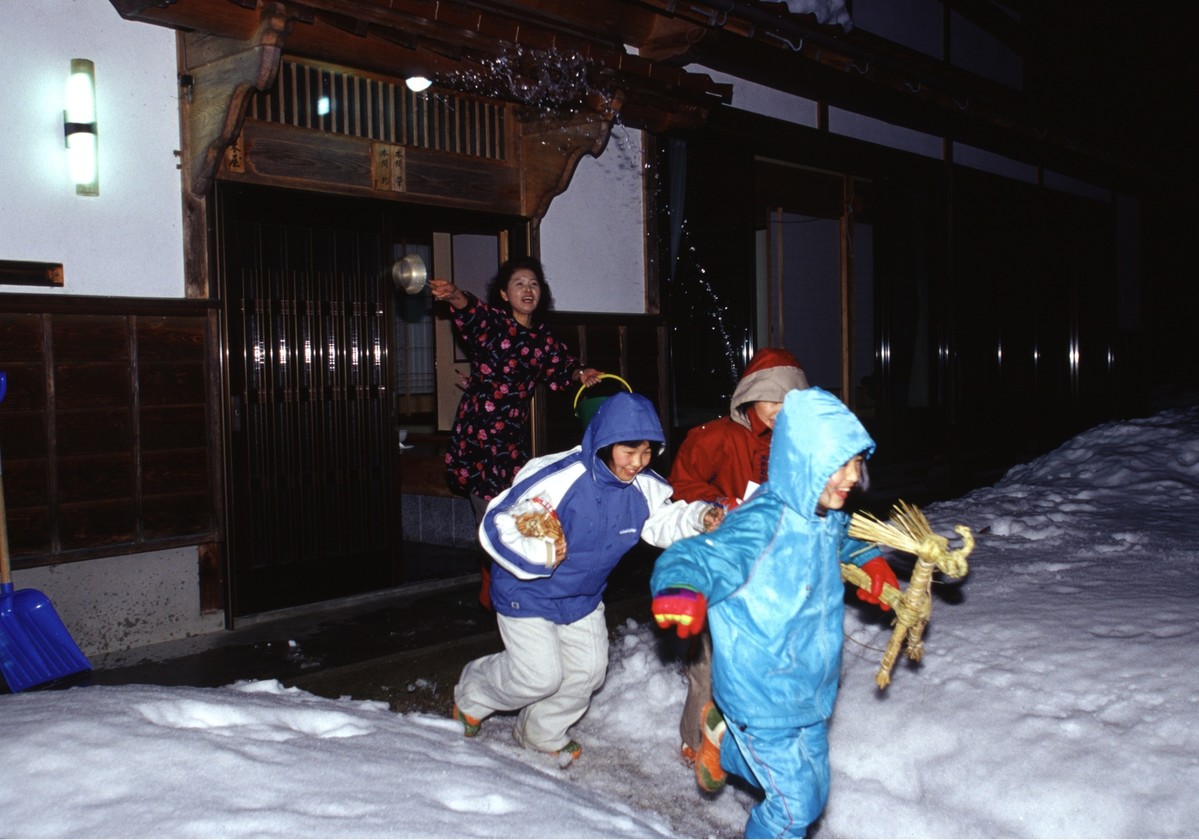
(669, 521)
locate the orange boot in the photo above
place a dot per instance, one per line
(470, 725)
(708, 772)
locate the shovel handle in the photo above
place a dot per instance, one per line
(5, 563)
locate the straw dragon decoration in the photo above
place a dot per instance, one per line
(908, 531)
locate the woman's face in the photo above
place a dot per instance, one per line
(628, 461)
(523, 294)
(839, 486)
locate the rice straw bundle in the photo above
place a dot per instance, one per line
(544, 524)
(908, 531)
(537, 518)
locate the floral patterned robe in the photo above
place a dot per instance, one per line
(488, 443)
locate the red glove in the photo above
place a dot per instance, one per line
(880, 573)
(680, 606)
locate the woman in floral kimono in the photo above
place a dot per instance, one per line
(511, 350)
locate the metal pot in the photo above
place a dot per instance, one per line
(409, 274)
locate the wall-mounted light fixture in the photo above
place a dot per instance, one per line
(416, 84)
(79, 127)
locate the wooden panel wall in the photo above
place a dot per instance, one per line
(106, 432)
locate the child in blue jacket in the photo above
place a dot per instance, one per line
(769, 583)
(547, 590)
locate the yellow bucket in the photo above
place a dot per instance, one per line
(585, 408)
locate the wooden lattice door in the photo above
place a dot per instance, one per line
(312, 509)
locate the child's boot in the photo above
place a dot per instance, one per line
(569, 754)
(470, 725)
(708, 772)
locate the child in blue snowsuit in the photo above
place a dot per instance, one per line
(547, 591)
(769, 582)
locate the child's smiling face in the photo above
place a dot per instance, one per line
(627, 461)
(839, 486)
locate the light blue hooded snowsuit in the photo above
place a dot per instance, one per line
(771, 575)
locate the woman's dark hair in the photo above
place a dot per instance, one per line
(499, 283)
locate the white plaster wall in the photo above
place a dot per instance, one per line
(128, 240)
(860, 127)
(759, 99)
(119, 603)
(593, 236)
(986, 161)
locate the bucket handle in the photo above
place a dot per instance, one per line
(628, 387)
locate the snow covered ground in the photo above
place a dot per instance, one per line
(1058, 697)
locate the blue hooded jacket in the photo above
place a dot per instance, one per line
(602, 517)
(771, 573)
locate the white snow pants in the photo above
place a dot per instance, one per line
(548, 671)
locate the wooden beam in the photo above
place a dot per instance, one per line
(19, 273)
(221, 74)
(671, 38)
(296, 158)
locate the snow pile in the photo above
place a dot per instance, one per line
(1056, 698)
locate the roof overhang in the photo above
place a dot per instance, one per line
(626, 59)
(565, 56)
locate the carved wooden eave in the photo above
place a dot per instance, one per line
(221, 74)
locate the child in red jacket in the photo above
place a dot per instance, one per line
(720, 458)
(723, 461)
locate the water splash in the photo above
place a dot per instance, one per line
(699, 303)
(549, 82)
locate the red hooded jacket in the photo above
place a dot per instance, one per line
(719, 458)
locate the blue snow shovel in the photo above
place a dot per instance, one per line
(35, 647)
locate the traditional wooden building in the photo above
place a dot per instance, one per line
(203, 403)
